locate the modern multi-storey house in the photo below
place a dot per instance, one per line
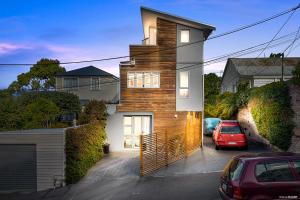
(89, 83)
(162, 82)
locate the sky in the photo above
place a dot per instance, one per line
(72, 30)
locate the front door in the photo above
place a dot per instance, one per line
(134, 126)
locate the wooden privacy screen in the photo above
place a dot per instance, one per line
(161, 149)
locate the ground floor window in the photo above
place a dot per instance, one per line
(134, 126)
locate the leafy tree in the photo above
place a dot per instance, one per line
(40, 114)
(296, 75)
(212, 85)
(40, 77)
(94, 111)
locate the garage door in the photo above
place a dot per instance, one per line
(17, 168)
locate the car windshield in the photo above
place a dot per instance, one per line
(231, 129)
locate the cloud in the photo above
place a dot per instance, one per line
(10, 47)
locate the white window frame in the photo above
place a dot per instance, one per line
(188, 37)
(70, 89)
(152, 73)
(91, 86)
(184, 88)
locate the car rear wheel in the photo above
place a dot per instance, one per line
(217, 147)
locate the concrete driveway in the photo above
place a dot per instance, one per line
(208, 159)
(116, 177)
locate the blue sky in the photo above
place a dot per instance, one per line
(71, 30)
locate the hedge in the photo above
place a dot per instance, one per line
(270, 107)
(84, 147)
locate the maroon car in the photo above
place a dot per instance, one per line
(261, 176)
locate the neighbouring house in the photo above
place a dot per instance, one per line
(162, 83)
(89, 83)
(255, 71)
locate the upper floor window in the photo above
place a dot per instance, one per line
(184, 84)
(70, 83)
(184, 36)
(95, 83)
(143, 80)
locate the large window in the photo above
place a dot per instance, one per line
(134, 127)
(184, 36)
(273, 172)
(70, 83)
(184, 84)
(143, 80)
(95, 83)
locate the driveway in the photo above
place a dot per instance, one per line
(208, 159)
(116, 177)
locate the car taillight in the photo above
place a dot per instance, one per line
(237, 193)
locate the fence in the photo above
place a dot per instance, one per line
(160, 149)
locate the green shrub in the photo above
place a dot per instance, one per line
(93, 111)
(26, 111)
(40, 114)
(84, 147)
(271, 110)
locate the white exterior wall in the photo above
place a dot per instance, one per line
(187, 56)
(50, 152)
(115, 129)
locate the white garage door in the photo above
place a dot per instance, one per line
(18, 168)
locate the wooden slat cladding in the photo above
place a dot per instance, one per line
(165, 147)
(164, 62)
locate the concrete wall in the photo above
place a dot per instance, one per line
(295, 94)
(109, 89)
(115, 131)
(50, 152)
(187, 56)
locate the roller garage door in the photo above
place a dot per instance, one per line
(18, 168)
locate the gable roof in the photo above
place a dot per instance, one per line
(207, 29)
(262, 66)
(85, 71)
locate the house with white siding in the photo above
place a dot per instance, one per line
(256, 71)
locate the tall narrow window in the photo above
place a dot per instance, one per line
(95, 83)
(184, 84)
(139, 80)
(130, 80)
(70, 84)
(184, 36)
(147, 80)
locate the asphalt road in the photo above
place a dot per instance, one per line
(116, 178)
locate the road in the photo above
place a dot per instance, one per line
(116, 178)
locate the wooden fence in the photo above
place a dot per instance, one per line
(160, 149)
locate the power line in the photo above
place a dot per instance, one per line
(166, 49)
(286, 21)
(292, 43)
(282, 40)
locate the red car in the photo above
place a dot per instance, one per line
(261, 176)
(228, 133)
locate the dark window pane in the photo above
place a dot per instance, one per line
(273, 172)
(297, 166)
(261, 173)
(236, 170)
(230, 129)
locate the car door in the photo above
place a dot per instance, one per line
(276, 179)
